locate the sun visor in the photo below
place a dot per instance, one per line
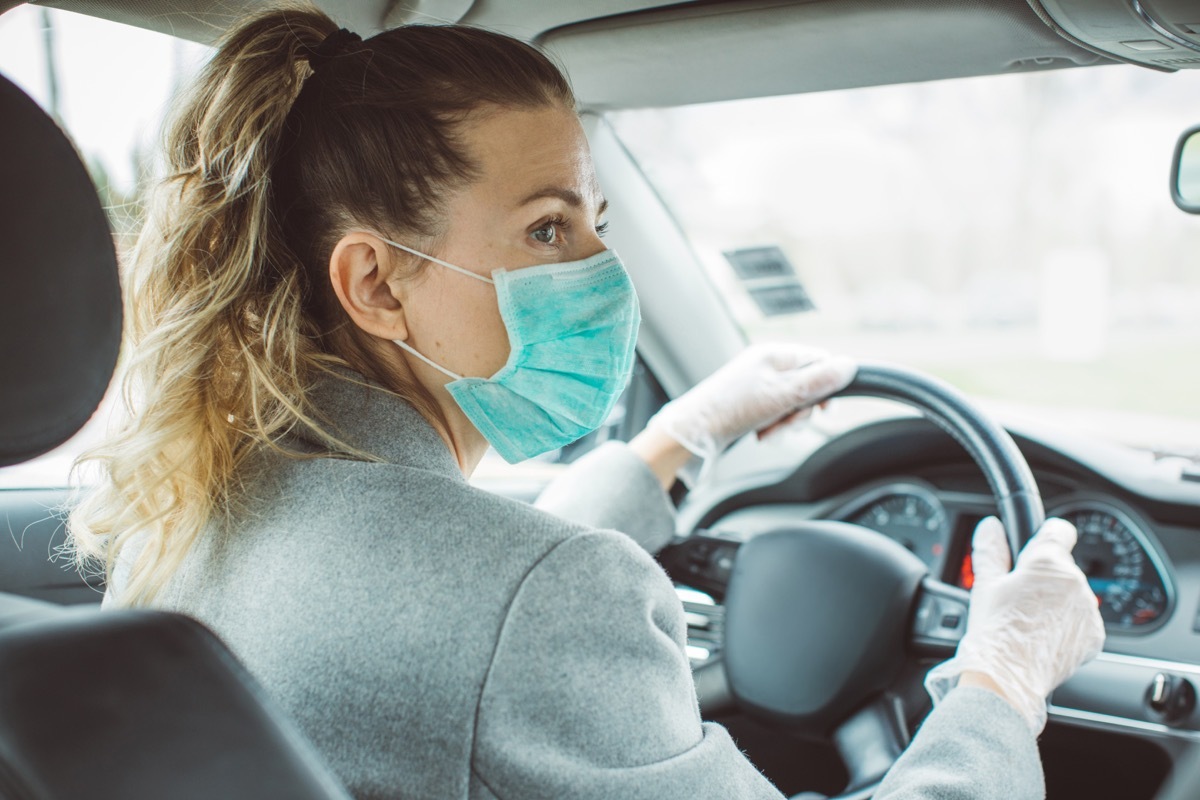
(704, 52)
(1160, 34)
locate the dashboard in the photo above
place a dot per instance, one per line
(1116, 549)
(1138, 545)
(1139, 527)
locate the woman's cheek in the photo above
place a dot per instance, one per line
(471, 333)
(493, 338)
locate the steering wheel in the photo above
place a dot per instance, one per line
(821, 617)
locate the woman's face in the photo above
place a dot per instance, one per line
(536, 201)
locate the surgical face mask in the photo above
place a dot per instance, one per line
(572, 329)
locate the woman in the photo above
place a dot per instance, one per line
(371, 260)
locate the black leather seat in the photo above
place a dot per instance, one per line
(103, 705)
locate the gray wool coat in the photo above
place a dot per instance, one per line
(434, 640)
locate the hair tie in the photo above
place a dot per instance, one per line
(331, 46)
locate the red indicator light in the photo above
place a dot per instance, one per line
(966, 575)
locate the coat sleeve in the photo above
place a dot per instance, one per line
(612, 488)
(972, 746)
(589, 693)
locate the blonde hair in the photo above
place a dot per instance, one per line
(229, 312)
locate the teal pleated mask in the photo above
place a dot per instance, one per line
(572, 329)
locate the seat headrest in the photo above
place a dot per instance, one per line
(60, 301)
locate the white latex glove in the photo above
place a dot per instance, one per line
(1028, 629)
(761, 386)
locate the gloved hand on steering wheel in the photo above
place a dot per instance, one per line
(1028, 629)
(761, 389)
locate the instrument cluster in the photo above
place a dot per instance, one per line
(1116, 551)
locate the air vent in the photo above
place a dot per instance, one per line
(705, 625)
(1176, 62)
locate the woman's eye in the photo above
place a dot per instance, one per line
(602, 229)
(547, 234)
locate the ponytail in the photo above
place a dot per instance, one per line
(206, 367)
(230, 315)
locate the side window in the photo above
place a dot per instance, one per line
(108, 85)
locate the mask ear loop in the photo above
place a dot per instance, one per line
(434, 259)
(409, 348)
(403, 345)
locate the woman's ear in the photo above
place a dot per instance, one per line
(359, 268)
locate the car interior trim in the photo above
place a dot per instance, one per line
(1053, 23)
(1118, 686)
(1153, 23)
(701, 52)
(1121, 723)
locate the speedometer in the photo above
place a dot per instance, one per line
(1121, 565)
(909, 514)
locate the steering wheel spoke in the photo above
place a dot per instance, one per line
(870, 742)
(939, 618)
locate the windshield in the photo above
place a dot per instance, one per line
(1011, 234)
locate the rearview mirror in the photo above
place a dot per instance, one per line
(1185, 172)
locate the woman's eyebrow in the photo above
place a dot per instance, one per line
(568, 196)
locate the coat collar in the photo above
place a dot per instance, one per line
(369, 417)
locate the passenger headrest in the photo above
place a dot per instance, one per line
(60, 302)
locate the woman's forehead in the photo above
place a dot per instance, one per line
(527, 155)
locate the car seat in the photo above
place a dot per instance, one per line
(120, 705)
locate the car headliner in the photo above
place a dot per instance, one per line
(636, 53)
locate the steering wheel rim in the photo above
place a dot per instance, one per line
(890, 607)
(987, 443)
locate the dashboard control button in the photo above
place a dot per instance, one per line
(703, 561)
(1171, 697)
(941, 615)
(1160, 693)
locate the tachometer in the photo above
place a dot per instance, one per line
(1120, 563)
(912, 516)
